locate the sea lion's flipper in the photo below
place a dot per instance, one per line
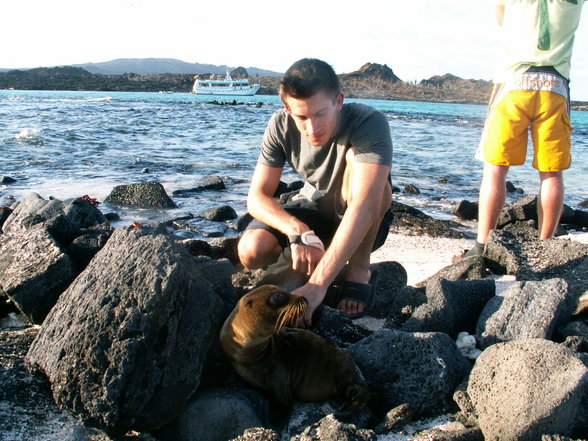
(279, 386)
(356, 398)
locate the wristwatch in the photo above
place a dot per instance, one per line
(306, 238)
(295, 239)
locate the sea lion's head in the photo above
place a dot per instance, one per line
(268, 309)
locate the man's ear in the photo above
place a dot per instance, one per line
(287, 109)
(339, 101)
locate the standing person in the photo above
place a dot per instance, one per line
(531, 91)
(344, 154)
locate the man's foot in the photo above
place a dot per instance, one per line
(357, 298)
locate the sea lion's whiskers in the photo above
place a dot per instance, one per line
(290, 314)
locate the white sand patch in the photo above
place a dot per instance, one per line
(421, 256)
(424, 256)
(577, 236)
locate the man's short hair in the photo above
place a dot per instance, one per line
(307, 77)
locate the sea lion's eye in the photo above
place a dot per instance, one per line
(279, 299)
(249, 304)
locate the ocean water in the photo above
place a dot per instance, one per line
(69, 144)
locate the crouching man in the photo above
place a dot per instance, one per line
(344, 154)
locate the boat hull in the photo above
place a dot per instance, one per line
(249, 91)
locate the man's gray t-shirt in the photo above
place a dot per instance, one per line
(322, 168)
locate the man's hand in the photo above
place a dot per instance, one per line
(315, 295)
(305, 258)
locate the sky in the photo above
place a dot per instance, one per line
(417, 39)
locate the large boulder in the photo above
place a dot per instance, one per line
(472, 268)
(27, 410)
(522, 209)
(144, 195)
(422, 369)
(527, 388)
(124, 346)
(34, 271)
(32, 210)
(406, 300)
(64, 219)
(533, 259)
(35, 263)
(392, 277)
(217, 415)
(451, 307)
(525, 310)
(337, 327)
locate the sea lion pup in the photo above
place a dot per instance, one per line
(291, 364)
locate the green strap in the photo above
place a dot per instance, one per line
(544, 42)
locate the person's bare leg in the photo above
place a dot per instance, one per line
(258, 248)
(358, 267)
(491, 201)
(550, 203)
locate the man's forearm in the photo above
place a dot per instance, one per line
(354, 226)
(270, 211)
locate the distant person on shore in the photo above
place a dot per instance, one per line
(344, 154)
(531, 91)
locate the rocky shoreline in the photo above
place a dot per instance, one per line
(371, 81)
(111, 334)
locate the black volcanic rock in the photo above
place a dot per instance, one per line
(35, 267)
(527, 309)
(422, 369)
(7, 180)
(466, 210)
(125, 345)
(209, 183)
(34, 270)
(145, 195)
(411, 221)
(220, 214)
(451, 307)
(521, 390)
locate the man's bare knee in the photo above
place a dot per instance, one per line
(257, 249)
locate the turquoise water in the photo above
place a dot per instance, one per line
(67, 144)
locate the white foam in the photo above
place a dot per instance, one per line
(28, 134)
(97, 188)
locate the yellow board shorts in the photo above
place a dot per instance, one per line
(536, 100)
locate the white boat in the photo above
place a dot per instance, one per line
(228, 86)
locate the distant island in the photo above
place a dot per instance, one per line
(371, 81)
